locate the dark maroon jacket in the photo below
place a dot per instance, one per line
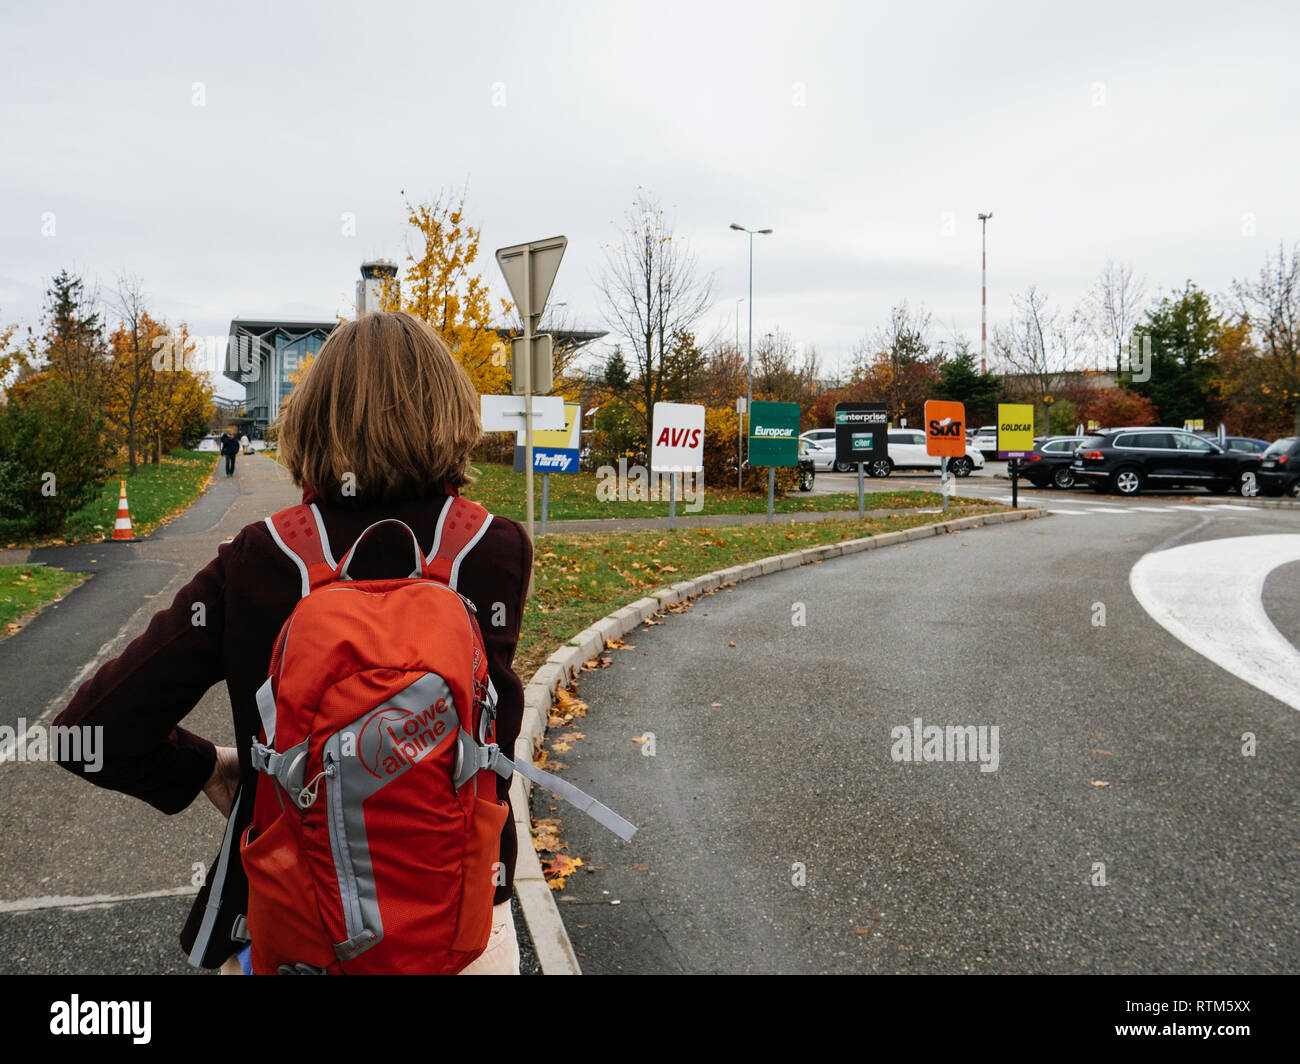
(247, 592)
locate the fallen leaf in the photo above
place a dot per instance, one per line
(572, 737)
(558, 869)
(617, 644)
(715, 705)
(1108, 753)
(640, 740)
(861, 931)
(1100, 783)
(560, 748)
(732, 643)
(642, 867)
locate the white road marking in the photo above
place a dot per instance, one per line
(1228, 506)
(1107, 510)
(1073, 513)
(1151, 509)
(94, 901)
(1185, 506)
(1208, 596)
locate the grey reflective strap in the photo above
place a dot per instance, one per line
(577, 798)
(216, 885)
(266, 710)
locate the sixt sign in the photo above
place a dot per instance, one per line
(945, 428)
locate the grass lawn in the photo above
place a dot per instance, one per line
(155, 494)
(25, 589)
(580, 578)
(573, 497)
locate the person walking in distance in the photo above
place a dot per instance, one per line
(380, 429)
(230, 448)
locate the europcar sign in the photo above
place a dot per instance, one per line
(774, 434)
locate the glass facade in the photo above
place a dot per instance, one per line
(264, 355)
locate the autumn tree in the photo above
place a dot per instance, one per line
(1184, 331)
(443, 287)
(1039, 347)
(178, 402)
(1114, 306)
(1270, 307)
(650, 293)
(130, 374)
(73, 347)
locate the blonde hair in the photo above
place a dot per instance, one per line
(386, 402)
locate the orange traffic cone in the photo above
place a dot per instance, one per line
(122, 529)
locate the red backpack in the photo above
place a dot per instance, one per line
(375, 842)
(376, 837)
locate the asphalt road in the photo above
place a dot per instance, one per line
(773, 747)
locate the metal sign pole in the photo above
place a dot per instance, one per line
(771, 492)
(861, 500)
(943, 481)
(546, 498)
(672, 499)
(528, 393)
(1015, 483)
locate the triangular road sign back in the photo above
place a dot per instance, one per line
(545, 256)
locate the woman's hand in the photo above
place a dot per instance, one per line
(221, 785)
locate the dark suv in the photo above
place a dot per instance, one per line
(1279, 468)
(1125, 461)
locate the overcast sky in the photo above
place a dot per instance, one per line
(867, 136)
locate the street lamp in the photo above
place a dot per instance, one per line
(984, 294)
(749, 372)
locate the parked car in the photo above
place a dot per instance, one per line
(826, 438)
(1279, 468)
(822, 455)
(208, 443)
(1125, 461)
(1050, 462)
(907, 451)
(807, 470)
(986, 441)
(1245, 444)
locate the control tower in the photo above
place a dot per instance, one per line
(375, 274)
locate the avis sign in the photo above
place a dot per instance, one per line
(677, 438)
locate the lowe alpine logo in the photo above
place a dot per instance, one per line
(392, 738)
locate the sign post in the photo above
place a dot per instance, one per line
(1015, 440)
(861, 436)
(529, 270)
(773, 441)
(945, 436)
(554, 451)
(741, 408)
(676, 445)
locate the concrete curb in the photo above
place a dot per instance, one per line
(1262, 504)
(554, 950)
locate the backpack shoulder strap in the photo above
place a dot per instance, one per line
(460, 526)
(300, 533)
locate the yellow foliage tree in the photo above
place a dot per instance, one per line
(442, 287)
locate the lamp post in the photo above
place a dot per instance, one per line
(749, 371)
(984, 293)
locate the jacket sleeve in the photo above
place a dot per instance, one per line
(138, 698)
